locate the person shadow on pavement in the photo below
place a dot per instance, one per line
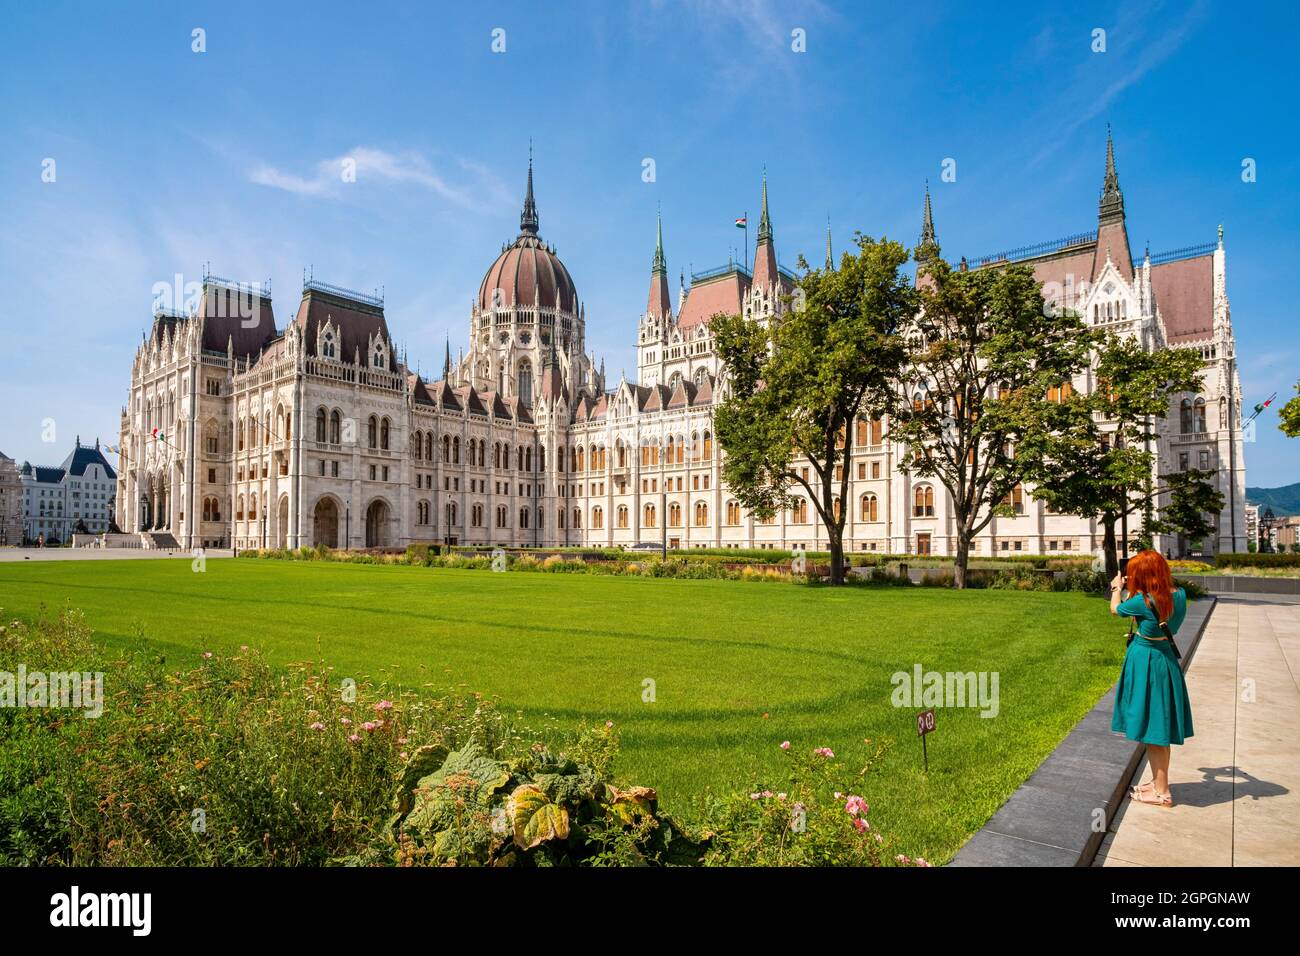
(1223, 785)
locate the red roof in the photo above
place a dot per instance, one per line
(718, 295)
(1184, 293)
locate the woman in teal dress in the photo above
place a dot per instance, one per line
(1151, 702)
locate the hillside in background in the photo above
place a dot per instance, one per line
(1283, 501)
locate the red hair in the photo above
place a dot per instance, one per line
(1148, 572)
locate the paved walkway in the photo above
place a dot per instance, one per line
(101, 554)
(1236, 783)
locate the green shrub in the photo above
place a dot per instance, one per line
(1248, 560)
(1022, 578)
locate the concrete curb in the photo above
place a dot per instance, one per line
(1049, 820)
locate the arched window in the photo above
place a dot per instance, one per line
(505, 456)
(923, 502)
(207, 509)
(577, 518)
(708, 446)
(428, 446)
(674, 515)
(1015, 500)
(383, 434)
(239, 508)
(372, 432)
(446, 449)
(799, 511)
(335, 427)
(455, 450)
(621, 516)
(523, 518)
(620, 454)
(528, 461)
(870, 508)
(496, 454)
(579, 459)
(417, 445)
(733, 513)
(701, 514)
(597, 517)
(252, 508)
(1198, 415)
(525, 380)
(649, 521)
(239, 434)
(681, 449)
(451, 514)
(320, 424)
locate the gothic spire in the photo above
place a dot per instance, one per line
(764, 223)
(446, 361)
(1112, 199)
(660, 263)
(659, 303)
(830, 258)
(929, 244)
(528, 219)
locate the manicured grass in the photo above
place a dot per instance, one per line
(722, 654)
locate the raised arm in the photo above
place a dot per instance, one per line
(1117, 593)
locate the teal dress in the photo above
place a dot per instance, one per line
(1151, 702)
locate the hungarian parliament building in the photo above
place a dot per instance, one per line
(238, 432)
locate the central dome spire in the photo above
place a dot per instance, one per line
(528, 218)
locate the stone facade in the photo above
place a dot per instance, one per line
(236, 432)
(78, 496)
(11, 503)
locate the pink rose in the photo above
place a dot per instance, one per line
(785, 745)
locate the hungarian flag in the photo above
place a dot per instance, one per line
(158, 436)
(741, 222)
(1267, 402)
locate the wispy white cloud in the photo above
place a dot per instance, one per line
(1129, 42)
(365, 164)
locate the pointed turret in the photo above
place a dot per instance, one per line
(528, 218)
(830, 256)
(659, 305)
(1111, 205)
(765, 269)
(1112, 235)
(446, 361)
(928, 246)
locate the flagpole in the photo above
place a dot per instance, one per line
(746, 240)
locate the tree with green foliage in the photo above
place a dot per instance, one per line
(1192, 499)
(986, 353)
(1290, 415)
(794, 386)
(1100, 463)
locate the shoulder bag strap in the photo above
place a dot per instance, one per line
(1164, 626)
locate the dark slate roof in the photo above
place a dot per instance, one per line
(356, 319)
(236, 317)
(81, 457)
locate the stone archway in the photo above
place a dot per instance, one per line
(378, 515)
(282, 523)
(325, 524)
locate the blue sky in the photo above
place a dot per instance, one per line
(167, 159)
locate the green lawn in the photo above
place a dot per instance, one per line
(722, 654)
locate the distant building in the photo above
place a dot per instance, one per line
(1252, 524)
(1287, 533)
(57, 501)
(11, 502)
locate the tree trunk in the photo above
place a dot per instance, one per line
(837, 558)
(963, 559)
(1108, 544)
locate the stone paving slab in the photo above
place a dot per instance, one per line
(1058, 816)
(1236, 783)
